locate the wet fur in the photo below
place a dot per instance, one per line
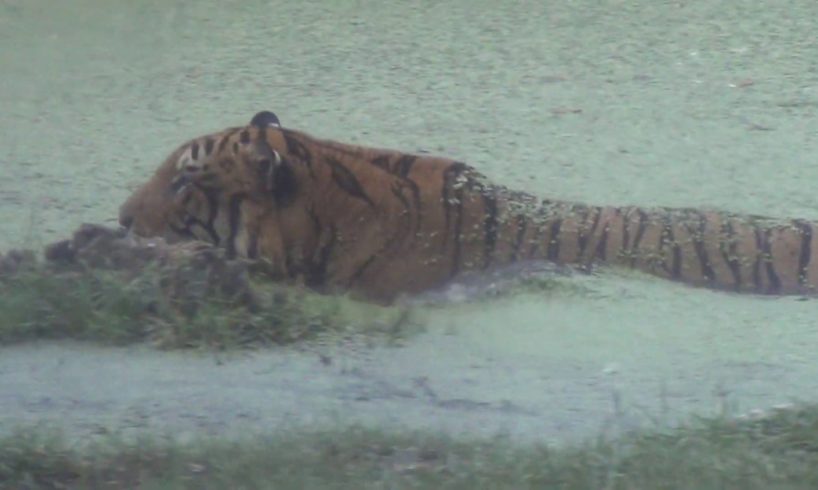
(382, 223)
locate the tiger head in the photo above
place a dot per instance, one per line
(191, 194)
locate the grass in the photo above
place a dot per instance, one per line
(114, 307)
(200, 304)
(778, 451)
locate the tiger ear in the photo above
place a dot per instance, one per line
(265, 119)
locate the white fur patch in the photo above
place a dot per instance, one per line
(185, 160)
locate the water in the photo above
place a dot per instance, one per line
(648, 102)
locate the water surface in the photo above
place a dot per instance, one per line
(694, 103)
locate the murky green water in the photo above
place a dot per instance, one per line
(695, 103)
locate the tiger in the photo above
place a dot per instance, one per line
(384, 224)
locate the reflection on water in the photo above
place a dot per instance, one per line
(654, 103)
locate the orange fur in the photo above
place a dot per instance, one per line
(383, 223)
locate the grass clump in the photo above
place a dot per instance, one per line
(179, 307)
(777, 451)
